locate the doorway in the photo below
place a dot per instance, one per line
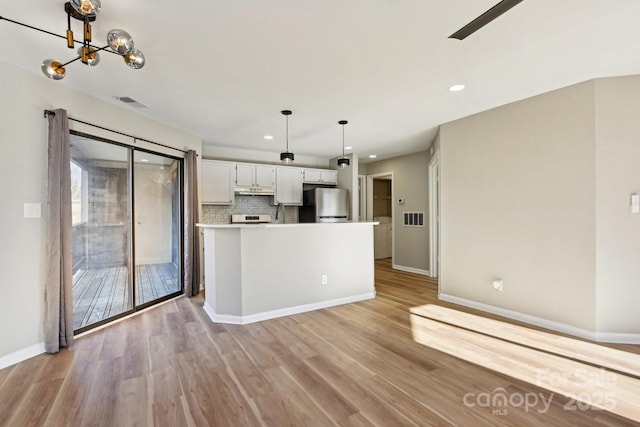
(380, 208)
(126, 229)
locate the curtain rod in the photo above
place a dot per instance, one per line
(135, 138)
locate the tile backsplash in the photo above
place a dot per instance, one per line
(214, 214)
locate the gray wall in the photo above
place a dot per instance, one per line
(617, 231)
(537, 193)
(23, 169)
(348, 179)
(410, 181)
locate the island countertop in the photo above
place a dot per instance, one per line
(255, 272)
(278, 225)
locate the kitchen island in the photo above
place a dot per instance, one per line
(255, 272)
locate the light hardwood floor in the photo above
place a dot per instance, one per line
(352, 365)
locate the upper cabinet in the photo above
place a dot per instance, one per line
(217, 182)
(222, 180)
(252, 177)
(320, 176)
(289, 186)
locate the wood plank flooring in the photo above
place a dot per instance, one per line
(352, 365)
(102, 293)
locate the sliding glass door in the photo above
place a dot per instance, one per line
(157, 228)
(127, 224)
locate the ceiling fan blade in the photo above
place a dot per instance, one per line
(484, 19)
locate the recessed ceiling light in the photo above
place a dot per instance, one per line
(269, 137)
(348, 148)
(456, 88)
(372, 156)
(144, 160)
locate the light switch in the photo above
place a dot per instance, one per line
(32, 210)
(635, 203)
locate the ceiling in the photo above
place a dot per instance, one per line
(224, 70)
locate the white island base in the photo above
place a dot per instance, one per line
(260, 272)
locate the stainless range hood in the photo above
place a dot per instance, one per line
(255, 191)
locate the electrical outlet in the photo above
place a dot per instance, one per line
(324, 279)
(497, 285)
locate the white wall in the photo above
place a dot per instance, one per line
(23, 171)
(537, 193)
(617, 129)
(242, 155)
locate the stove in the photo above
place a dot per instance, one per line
(250, 219)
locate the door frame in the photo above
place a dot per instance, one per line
(434, 216)
(362, 197)
(370, 179)
(131, 229)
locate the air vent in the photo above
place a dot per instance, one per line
(130, 101)
(413, 219)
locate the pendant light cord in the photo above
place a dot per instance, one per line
(342, 140)
(287, 125)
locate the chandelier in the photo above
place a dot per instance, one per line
(119, 41)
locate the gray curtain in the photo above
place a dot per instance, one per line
(191, 232)
(58, 316)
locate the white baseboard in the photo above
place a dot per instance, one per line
(608, 337)
(259, 317)
(411, 270)
(618, 338)
(522, 317)
(21, 355)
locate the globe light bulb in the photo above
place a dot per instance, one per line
(120, 41)
(53, 69)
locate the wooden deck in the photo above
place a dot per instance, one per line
(105, 292)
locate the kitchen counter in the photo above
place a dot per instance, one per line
(255, 272)
(278, 225)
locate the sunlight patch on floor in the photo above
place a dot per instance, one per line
(592, 377)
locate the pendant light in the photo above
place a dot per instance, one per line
(286, 156)
(343, 161)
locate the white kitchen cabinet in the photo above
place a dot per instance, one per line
(321, 176)
(217, 182)
(289, 186)
(250, 175)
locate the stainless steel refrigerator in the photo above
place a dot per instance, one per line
(325, 205)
